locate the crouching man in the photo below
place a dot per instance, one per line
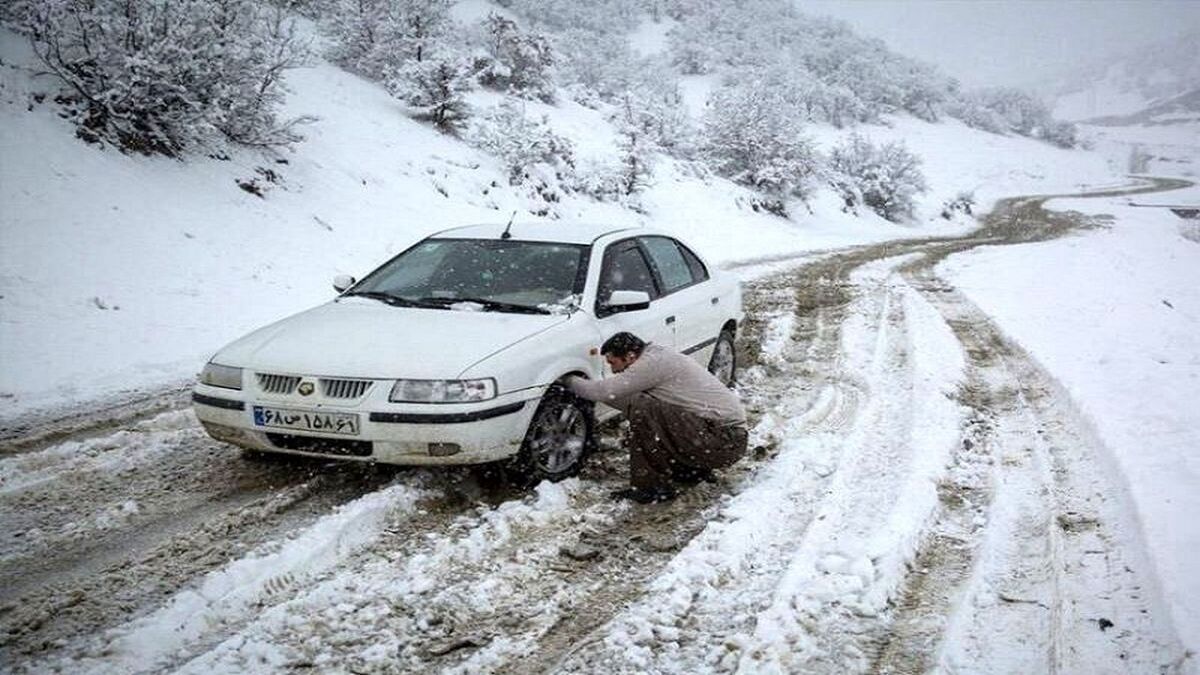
(683, 422)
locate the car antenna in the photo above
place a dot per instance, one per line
(506, 234)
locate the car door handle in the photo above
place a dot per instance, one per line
(670, 320)
(716, 300)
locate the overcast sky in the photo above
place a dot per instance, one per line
(1002, 42)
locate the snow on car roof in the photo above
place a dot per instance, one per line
(570, 233)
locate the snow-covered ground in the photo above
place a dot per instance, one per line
(1114, 314)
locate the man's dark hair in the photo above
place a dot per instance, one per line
(623, 344)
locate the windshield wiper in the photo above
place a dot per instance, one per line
(488, 305)
(393, 300)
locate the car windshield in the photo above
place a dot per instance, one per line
(487, 274)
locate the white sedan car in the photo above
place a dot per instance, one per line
(450, 352)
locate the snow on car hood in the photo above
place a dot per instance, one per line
(368, 339)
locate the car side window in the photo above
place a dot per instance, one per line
(699, 273)
(625, 269)
(673, 270)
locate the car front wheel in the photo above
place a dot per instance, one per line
(560, 436)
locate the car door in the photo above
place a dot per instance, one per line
(719, 300)
(683, 297)
(626, 268)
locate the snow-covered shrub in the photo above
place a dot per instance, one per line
(1020, 111)
(310, 8)
(595, 66)
(600, 180)
(716, 34)
(963, 202)
(515, 61)
(752, 136)
(613, 17)
(637, 127)
(407, 45)
(434, 91)
(357, 35)
(166, 76)
(1008, 109)
(974, 113)
(693, 51)
(923, 91)
(885, 178)
(1005, 109)
(527, 147)
(665, 116)
(1062, 134)
(849, 78)
(379, 37)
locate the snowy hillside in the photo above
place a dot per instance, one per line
(122, 271)
(1130, 82)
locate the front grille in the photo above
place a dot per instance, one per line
(278, 384)
(344, 388)
(324, 446)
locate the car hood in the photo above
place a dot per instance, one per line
(358, 337)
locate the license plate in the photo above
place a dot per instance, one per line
(345, 424)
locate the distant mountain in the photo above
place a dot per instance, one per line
(1174, 110)
(1131, 82)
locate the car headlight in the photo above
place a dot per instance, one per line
(217, 375)
(442, 391)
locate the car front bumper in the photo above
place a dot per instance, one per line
(412, 434)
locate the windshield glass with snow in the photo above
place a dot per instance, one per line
(486, 274)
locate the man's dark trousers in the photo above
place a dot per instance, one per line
(666, 439)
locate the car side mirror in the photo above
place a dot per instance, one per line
(342, 281)
(628, 301)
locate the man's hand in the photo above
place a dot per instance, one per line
(576, 384)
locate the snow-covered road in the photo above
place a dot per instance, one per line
(922, 495)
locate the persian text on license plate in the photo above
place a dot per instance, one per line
(307, 420)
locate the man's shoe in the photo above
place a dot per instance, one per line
(644, 496)
(690, 476)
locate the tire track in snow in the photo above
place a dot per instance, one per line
(69, 569)
(402, 607)
(237, 591)
(40, 429)
(95, 584)
(695, 615)
(792, 328)
(841, 573)
(1019, 568)
(1028, 591)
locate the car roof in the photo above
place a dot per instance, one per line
(567, 233)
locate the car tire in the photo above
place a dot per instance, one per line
(560, 436)
(723, 362)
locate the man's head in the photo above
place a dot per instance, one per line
(621, 350)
